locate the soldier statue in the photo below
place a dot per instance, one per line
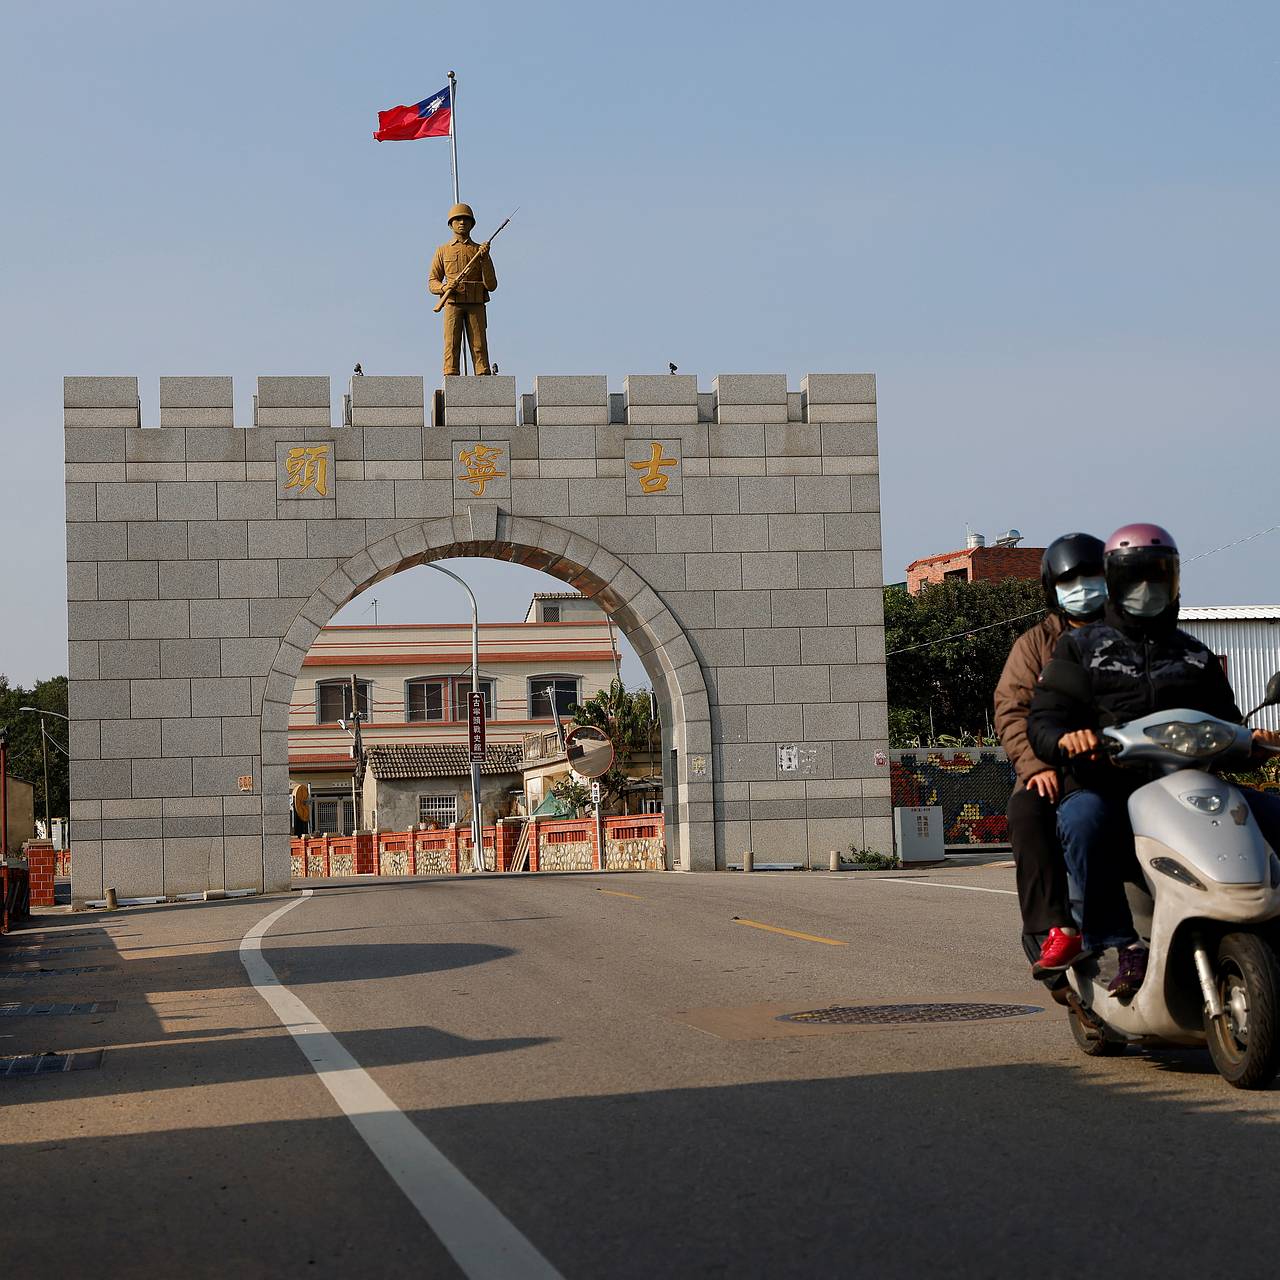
(465, 285)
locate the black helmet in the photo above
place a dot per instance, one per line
(1138, 554)
(1073, 555)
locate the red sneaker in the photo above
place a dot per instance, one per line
(1060, 951)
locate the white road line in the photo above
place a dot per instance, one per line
(937, 884)
(482, 1242)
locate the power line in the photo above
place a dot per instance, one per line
(960, 635)
(1226, 546)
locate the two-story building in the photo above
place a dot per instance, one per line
(412, 683)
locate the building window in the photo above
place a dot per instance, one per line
(333, 700)
(442, 810)
(544, 689)
(956, 575)
(425, 700)
(551, 613)
(462, 690)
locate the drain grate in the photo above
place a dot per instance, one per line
(889, 1014)
(30, 971)
(34, 953)
(40, 1064)
(14, 1010)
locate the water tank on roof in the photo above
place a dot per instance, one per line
(1009, 539)
(973, 540)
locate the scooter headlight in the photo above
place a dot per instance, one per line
(1205, 801)
(1204, 739)
(1175, 871)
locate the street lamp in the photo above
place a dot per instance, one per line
(44, 755)
(477, 845)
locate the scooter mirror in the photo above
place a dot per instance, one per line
(1272, 697)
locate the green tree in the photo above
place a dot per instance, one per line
(956, 678)
(24, 739)
(573, 792)
(628, 720)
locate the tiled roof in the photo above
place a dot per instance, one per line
(440, 760)
(943, 555)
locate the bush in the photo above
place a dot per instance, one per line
(872, 859)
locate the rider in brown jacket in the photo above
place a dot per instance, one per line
(1075, 592)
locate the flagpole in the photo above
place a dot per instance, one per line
(453, 137)
(457, 199)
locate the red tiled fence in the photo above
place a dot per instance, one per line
(562, 844)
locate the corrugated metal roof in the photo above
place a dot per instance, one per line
(1226, 612)
(440, 760)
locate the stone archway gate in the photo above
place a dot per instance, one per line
(734, 535)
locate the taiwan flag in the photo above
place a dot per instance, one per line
(426, 119)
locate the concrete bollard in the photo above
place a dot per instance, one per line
(112, 904)
(834, 864)
(748, 860)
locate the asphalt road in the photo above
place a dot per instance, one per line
(600, 1057)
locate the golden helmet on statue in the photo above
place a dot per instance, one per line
(461, 211)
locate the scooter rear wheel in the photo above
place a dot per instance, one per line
(1092, 1038)
(1245, 1043)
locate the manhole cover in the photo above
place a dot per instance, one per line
(864, 1014)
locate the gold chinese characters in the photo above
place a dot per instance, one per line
(481, 463)
(307, 467)
(653, 479)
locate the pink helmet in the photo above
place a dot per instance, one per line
(1141, 535)
(1142, 553)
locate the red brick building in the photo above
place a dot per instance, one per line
(975, 564)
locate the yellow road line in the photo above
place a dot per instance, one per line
(617, 893)
(790, 933)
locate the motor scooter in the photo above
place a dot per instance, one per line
(1211, 909)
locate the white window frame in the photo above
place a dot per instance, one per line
(366, 686)
(445, 708)
(544, 711)
(439, 818)
(461, 690)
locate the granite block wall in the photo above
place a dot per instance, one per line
(734, 534)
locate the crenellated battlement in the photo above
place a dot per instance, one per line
(399, 401)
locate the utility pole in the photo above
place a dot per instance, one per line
(357, 751)
(4, 791)
(477, 831)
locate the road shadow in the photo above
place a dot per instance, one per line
(991, 1172)
(167, 1028)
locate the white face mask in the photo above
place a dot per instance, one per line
(1145, 599)
(1082, 597)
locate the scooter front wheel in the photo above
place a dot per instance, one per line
(1245, 1042)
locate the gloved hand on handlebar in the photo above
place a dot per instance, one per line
(1266, 742)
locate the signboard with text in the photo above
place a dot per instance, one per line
(475, 725)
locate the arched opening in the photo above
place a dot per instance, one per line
(668, 659)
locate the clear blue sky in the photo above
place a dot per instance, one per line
(1050, 229)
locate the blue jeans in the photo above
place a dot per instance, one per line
(1097, 842)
